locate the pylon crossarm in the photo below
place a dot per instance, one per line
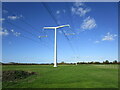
(49, 27)
(63, 26)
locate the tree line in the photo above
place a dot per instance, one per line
(104, 62)
(63, 63)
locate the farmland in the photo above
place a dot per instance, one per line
(65, 76)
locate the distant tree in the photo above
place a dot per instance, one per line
(62, 62)
(78, 62)
(12, 63)
(110, 62)
(115, 62)
(106, 62)
(91, 62)
(96, 62)
(83, 63)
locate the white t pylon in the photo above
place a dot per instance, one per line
(55, 42)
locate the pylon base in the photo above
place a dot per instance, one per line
(54, 66)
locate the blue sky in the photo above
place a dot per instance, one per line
(93, 35)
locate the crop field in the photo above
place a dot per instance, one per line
(65, 76)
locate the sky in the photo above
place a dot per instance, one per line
(92, 36)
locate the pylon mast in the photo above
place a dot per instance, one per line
(55, 41)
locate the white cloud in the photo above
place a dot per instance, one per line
(12, 30)
(97, 41)
(4, 32)
(2, 19)
(78, 4)
(88, 23)
(15, 33)
(73, 10)
(78, 9)
(109, 37)
(60, 31)
(14, 17)
(57, 12)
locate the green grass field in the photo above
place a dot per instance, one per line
(66, 76)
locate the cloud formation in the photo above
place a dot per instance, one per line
(15, 33)
(14, 17)
(57, 12)
(78, 4)
(60, 31)
(2, 19)
(79, 9)
(97, 41)
(109, 37)
(88, 23)
(4, 32)
(60, 11)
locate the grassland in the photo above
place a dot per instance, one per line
(66, 76)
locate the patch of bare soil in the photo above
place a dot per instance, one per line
(15, 75)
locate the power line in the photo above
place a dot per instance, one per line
(29, 25)
(33, 27)
(71, 19)
(26, 23)
(27, 32)
(21, 28)
(29, 39)
(25, 37)
(47, 8)
(50, 12)
(25, 29)
(33, 40)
